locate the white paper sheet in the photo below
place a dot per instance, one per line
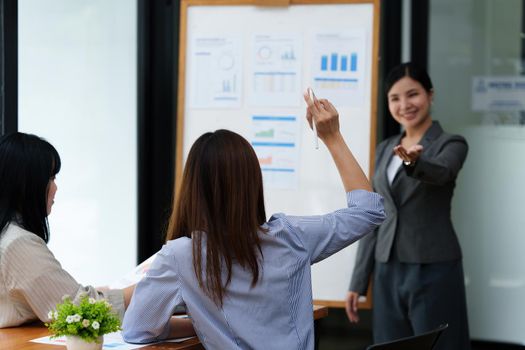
(215, 67)
(339, 66)
(276, 70)
(134, 275)
(111, 341)
(275, 140)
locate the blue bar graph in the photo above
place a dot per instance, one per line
(344, 62)
(333, 62)
(353, 62)
(324, 62)
(336, 62)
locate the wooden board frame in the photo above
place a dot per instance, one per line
(181, 96)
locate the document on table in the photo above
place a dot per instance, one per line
(134, 276)
(111, 341)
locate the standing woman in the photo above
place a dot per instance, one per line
(32, 281)
(245, 281)
(415, 255)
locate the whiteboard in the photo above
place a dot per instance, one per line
(244, 68)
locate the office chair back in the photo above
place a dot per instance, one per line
(424, 341)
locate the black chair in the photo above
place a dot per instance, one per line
(424, 341)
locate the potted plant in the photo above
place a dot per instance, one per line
(84, 324)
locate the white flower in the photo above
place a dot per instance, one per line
(85, 323)
(50, 314)
(76, 318)
(69, 319)
(107, 304)
(92, 300)
(55, 315)
(95, 325)
(82, 295)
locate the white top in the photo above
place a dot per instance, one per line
(393, 167)
(32, 281)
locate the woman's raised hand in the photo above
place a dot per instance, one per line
(326, 120)
(325, 116)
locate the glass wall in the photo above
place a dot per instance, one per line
(77, 89)
(475, 59)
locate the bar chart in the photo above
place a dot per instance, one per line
(276, 68)
(339, 62)
(339, 65)
(274, 139)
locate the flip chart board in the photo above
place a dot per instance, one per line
(244, 67)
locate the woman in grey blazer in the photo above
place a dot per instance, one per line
(415, 255)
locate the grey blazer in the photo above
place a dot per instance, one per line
(417, 204)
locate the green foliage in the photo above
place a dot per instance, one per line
(88, 320)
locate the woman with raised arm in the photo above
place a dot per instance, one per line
(245, 281)
(32, 281)
(415, 256)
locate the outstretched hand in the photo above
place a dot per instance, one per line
(325, 116)
(408, 155)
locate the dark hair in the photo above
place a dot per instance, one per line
(408, 69)
(27, 163)
(220, 201)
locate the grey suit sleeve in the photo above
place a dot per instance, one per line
(443, 167)
(364, 264)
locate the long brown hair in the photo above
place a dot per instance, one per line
(221, 199)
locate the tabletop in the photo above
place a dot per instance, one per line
(18, 338)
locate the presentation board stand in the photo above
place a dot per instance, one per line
(244, 67)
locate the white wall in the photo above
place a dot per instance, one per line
(77, 89)
(472, 38)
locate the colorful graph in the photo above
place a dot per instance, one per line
(339, 63)
(336, 83)
(275, 70)
(274, 82)
(215, 72)
(266, 160)
(274, 139)
(265, 133)
(339, 66)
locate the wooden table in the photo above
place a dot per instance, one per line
(18, 338)
(320, 311)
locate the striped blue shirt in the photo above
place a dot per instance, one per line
(277, 312)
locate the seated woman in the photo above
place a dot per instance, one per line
(32, 281)
(245, 281)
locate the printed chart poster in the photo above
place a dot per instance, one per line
(275, 140)
(498, 93)
(215, 73)
(276, 70)
(339, 66)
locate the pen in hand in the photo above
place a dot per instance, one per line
(311, 95)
